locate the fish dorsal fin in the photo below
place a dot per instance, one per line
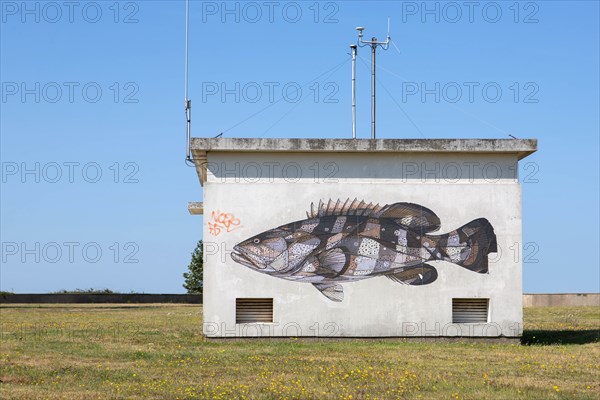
(411, 215)
(339, 207)
(332, 291)
(422, 274)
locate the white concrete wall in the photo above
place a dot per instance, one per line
(263, 191)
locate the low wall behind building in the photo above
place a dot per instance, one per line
(529, 300)
(82, 298)
(561, 299)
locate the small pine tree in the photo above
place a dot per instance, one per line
(193, 279)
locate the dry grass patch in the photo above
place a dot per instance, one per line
(157, 351)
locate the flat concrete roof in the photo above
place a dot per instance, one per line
(201, 146)
(523, 147)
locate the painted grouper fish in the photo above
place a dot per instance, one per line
(352, 240)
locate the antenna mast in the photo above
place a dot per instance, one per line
(373, 43)
(188, 102)
(354, 49)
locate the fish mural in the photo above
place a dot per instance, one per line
(347, 241)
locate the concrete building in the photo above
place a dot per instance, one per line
(361, 238)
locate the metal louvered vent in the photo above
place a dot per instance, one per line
(469, 311)
(253, 310)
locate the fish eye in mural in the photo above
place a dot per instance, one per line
(352, 240)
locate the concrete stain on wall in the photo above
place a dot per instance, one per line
(346, 241)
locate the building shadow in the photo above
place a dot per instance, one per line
(548, 337)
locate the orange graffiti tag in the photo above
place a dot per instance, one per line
(222, 222)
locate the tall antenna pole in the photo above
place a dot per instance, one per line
(373, 43)
(354, 49)
(188, 102)
(373, 50)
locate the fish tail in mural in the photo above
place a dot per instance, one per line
(351, 240)
(468, 246)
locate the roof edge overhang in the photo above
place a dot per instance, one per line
(202, 146)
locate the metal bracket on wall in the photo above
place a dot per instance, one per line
(196, 208)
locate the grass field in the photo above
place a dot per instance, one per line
(156, 351)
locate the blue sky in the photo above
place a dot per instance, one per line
(92, 107)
